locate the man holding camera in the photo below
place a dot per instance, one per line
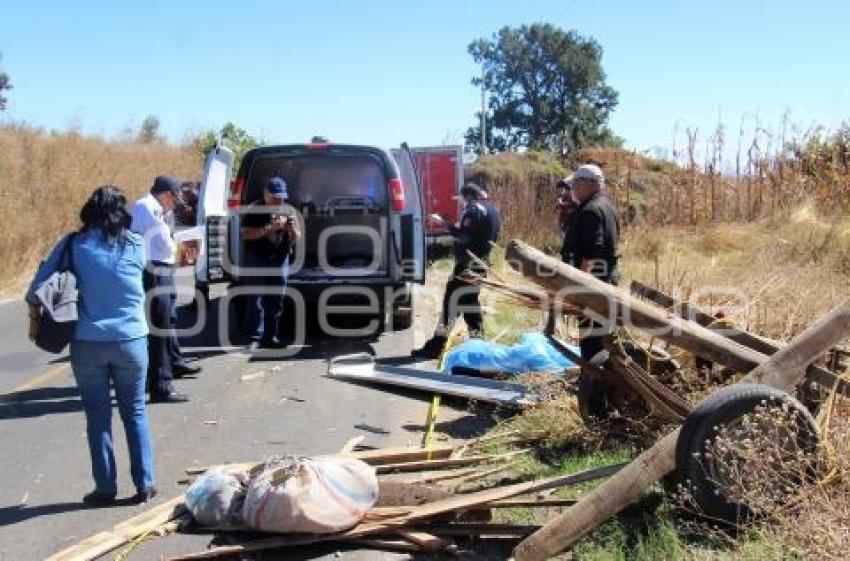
(270, 231)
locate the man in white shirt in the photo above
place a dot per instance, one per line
(149, 220)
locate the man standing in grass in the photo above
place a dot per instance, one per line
(591, 245)
(567, 210)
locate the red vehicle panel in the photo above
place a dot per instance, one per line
(441, 176)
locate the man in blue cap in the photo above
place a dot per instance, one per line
(269, 230)
(149, 219)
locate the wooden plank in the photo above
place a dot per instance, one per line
(480, 529)
(783, 370)
(814, 372)
(531, 503)
(104, 542)
(438, 476)
(377, 457)
(399, 546)
(447, 463)
(425, 541)
(424, 512)
(583, 290)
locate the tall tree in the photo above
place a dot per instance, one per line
(545, 89)
(233, 137)
(4, 86)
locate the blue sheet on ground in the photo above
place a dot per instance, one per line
(533, 353)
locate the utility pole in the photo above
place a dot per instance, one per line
(483, 117)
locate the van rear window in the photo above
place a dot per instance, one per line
(322, 182)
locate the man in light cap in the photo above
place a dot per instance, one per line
(149, 219)
(478, 229)
(592, 243)
(270, 231)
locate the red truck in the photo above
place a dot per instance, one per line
(440, 171)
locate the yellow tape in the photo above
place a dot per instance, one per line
(434, 408)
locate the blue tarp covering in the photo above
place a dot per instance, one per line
(533, 353)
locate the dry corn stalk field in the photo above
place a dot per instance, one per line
(45, 178)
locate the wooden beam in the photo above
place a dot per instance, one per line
(425, 465)
(592, 295)
(783, 370)
(814, 373)
(424, 540)
(480, 529)
(377, 457)
(104, 542)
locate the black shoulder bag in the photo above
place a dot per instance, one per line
(57, 296)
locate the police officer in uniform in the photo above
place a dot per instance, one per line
(479, 228)
(591, 245)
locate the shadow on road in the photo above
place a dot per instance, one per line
(39, 401)
(480, 419)
(15, 514)
(316, 343)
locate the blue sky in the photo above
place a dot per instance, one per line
(381, 72)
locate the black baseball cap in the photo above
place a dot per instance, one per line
(472, 190)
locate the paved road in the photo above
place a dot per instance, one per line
(286, 406)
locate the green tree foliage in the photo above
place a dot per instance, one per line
(4, 86)
(149, 130)
(545, 89)
(235, 138)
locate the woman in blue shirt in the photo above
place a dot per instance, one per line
(110, 338)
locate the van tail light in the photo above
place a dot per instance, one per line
(236, 189)
(396, 194)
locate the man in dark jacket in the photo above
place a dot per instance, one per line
(479, 227)
(567, 210)
(592, 245)
(269, 230)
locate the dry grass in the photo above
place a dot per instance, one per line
(788, 270)
(45, 178)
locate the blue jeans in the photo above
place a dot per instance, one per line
(125, 364)
(265, 310)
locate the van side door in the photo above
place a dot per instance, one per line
(213, 215)
(412, 219)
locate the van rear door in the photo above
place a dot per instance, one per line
(213, 215)
(412, 219)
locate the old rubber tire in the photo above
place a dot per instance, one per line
(723, 408)
(597, 396)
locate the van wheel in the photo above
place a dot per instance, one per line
(745, 443)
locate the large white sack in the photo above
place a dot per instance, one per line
(215, 498)
(312, 496)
